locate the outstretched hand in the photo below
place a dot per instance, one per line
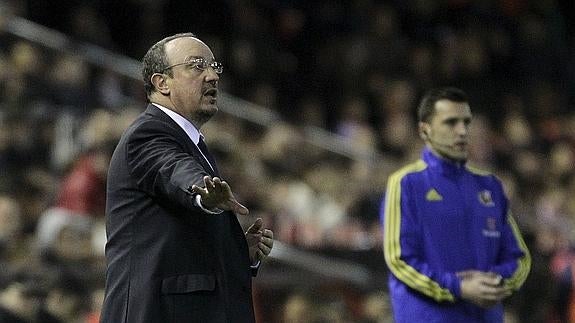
(260, 241)
(218, 194)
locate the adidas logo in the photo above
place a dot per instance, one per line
(432, 195)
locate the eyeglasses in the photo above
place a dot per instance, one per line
(200, 64)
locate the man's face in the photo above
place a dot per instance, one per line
(447, 131)
(193, 92)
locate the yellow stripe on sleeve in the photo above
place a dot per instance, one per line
(392, 248)
(523, 263)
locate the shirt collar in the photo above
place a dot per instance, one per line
(446, 166)
(187, 126)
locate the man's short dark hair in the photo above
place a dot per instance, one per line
(156, 60)
(426, 107)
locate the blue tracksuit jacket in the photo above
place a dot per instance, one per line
(441, 218)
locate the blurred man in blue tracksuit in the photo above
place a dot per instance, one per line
(453, 249)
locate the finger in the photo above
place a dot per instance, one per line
(494, 293)
(267, 241)
(493, 278)
(256, 226)
(504, 292)
(219, 184)
(466, 273)
(237, 208)
(489, 279)
(260, 255)
(225, 187)
(493, 281)
(199, 190)
(268, 233)
(252, 238)
(209, 184)
(264, 249)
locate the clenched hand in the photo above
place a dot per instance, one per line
(260, 241)
(484, 289)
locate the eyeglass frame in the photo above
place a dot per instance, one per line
(214, 65)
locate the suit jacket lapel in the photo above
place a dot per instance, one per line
(182, 137)
(204, 149)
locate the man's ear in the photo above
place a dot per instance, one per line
(160, 84)
(423, 130)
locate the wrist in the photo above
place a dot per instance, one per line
(215, 210)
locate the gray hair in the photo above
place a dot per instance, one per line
(156, 60)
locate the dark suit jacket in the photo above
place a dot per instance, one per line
(167, 260)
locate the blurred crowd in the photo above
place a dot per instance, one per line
(354, 68)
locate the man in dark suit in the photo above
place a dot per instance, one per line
(176, 251)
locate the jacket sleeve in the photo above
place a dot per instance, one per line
(403, 246)
(161, 166)
(514, 260)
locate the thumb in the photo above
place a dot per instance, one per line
(255, 228)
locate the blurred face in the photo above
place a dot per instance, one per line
(73, 244)
(448, 130)
(192, 92)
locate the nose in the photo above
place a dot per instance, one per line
(462, 129)
(211, 75)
